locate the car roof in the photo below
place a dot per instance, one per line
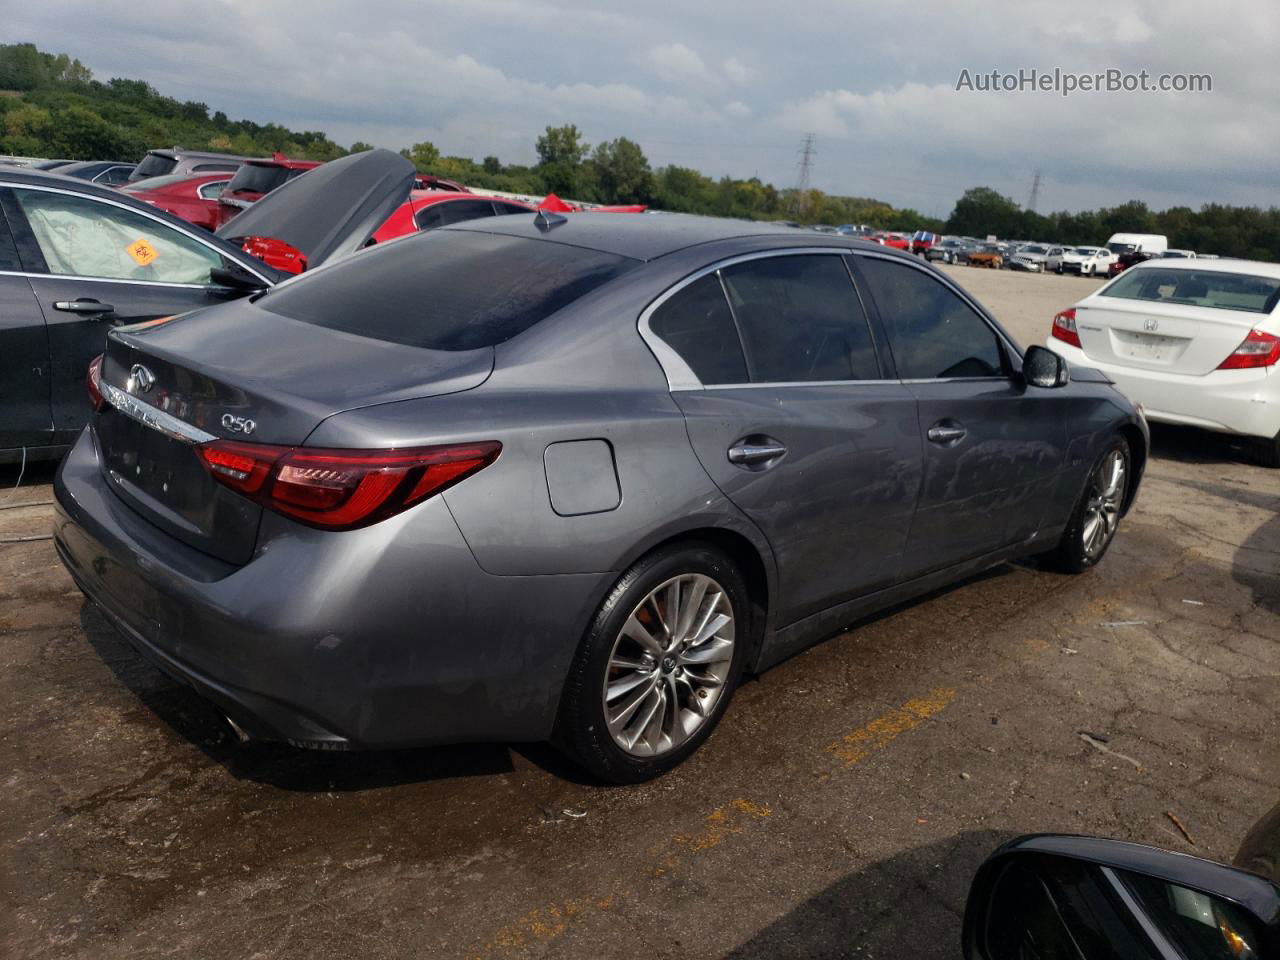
(1253, 268)
(177, 153)
(644, 236)
(282, 162)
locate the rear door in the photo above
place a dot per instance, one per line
(1173, 320)
(988, 443)
(24, 354)
(93, 264)
(796, 422)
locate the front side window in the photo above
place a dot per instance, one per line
(88, 238)
(800, 320)
(934, 334)
(696, 323)
(1198, 288)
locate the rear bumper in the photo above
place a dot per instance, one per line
(382, 637)
(1245, 402)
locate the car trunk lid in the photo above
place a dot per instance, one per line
(256, 377)
(1175, 338)
(333, 210)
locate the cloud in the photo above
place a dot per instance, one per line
(733, 89)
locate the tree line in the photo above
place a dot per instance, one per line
(51, 106)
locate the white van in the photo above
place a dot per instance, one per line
(1152, 243)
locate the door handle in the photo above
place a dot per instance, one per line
(945, 434)
(749, 453)
(85, 307)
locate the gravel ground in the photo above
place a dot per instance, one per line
(840, 810)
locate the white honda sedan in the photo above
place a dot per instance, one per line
(1195, 342)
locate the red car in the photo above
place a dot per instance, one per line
(255, 179)
(426, 209)
(193, 197)
(899, 241)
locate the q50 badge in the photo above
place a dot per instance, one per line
(238, 424)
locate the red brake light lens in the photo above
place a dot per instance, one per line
(1258, 350)
(93, 383)
(341, 489)
(1064, 327)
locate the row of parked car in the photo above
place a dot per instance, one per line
(1120, 252)
(210, 190)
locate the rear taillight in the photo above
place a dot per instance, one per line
(1064, 327)
(341, 489)
(1258, 350)
(93, 383)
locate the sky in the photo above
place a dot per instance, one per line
(732, 86)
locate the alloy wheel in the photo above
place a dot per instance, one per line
(669, 665)
(1102, 509)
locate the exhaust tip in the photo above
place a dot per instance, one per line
(241, 734)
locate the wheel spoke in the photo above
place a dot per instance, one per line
(649, 716)
(637, 631)
(619, 719)
(619, 662)
(709, 629)
(714, 651)
(673, 606)
(690, 604)
(625, 684)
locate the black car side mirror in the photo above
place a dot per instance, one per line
(1042, 367)
(1082, 898)
(237, 279)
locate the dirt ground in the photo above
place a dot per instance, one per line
(840, 810)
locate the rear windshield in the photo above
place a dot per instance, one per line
(259, 179)
(446, 290)
(159, 183)
(1199, 288)
(154, 165)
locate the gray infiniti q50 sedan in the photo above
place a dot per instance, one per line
(567, 478)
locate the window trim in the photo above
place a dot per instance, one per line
(1008, 347)
(680, 376)
(190, 234)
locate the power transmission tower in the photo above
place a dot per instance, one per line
(807, 152)
(1035, 192)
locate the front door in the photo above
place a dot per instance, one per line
(989, 444)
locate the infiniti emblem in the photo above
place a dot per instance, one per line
(141, 380)
(1151, 323)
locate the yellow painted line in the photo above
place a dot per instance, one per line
(549, 923)
(720, 824)
(857, 745)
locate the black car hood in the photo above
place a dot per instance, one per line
(332, 210)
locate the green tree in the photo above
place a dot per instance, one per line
(981, 211)
(424, 155)
(561, 152)
(622, 172)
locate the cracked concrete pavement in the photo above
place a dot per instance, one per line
(840, 810)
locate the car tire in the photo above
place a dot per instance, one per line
(1077, 551)
(592, 727)
(1269, 452)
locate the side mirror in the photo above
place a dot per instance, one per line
(238, 279)
(1042, 367)
(1082, 898)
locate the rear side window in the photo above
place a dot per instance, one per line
(215, 167)
(934, 334)
(1198, 288)
(259, 178)
(446, 291)
(155, 165)
(452, 211)
(801, 320)
(696, 323)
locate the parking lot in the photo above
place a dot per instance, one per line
(840, 809)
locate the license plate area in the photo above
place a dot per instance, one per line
(1147, 347)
